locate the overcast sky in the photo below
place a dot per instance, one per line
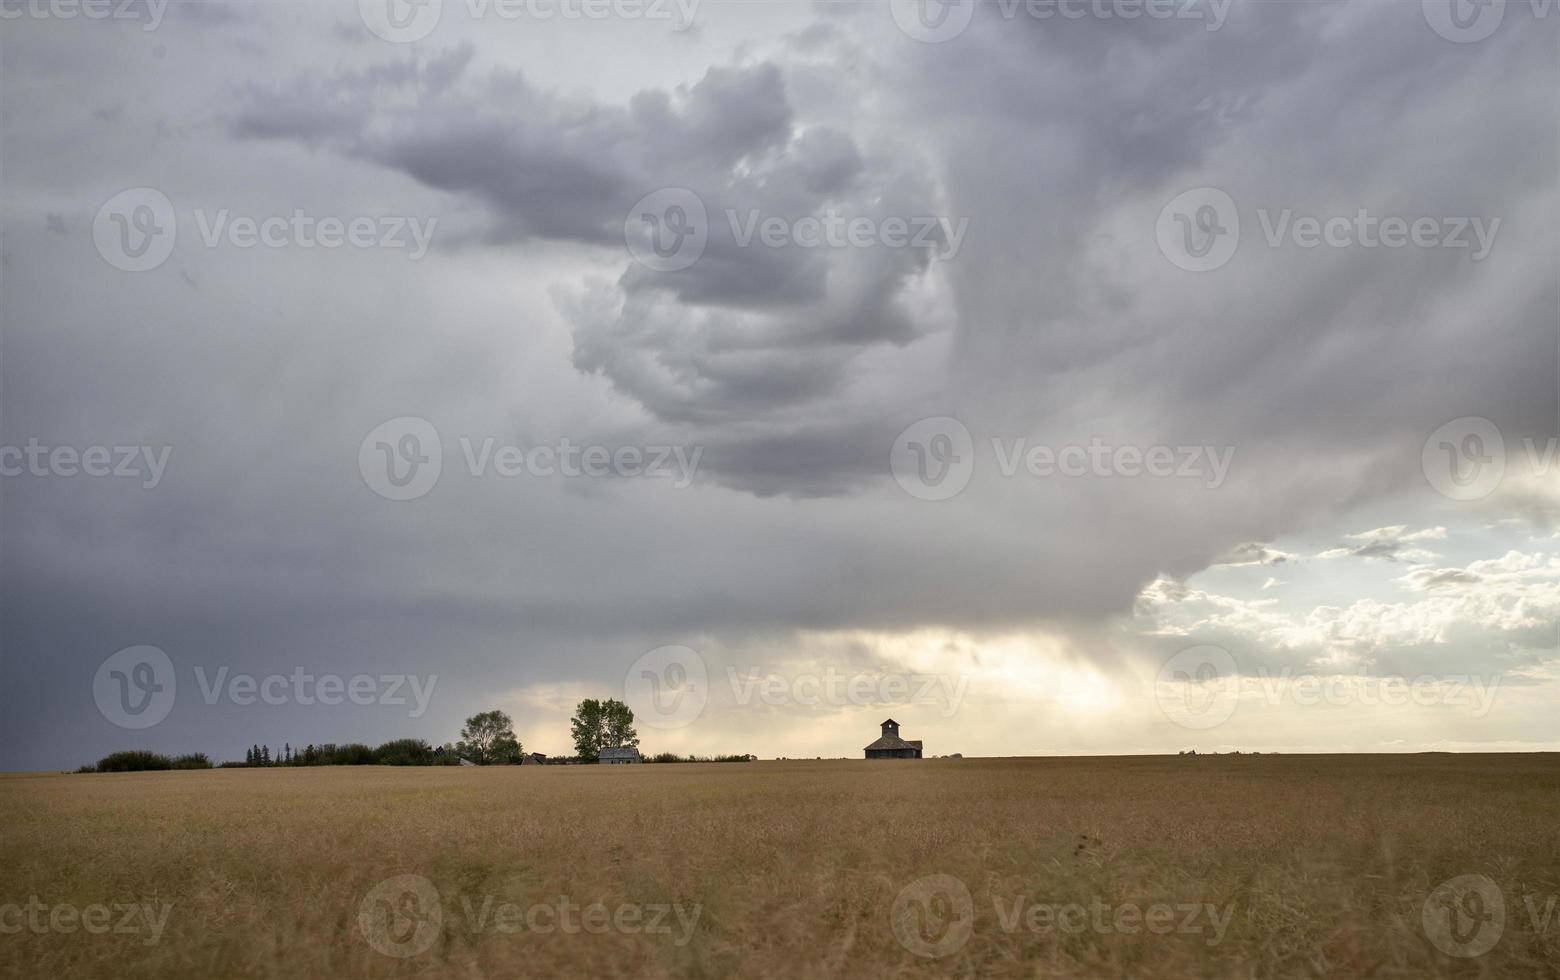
(1050, 379)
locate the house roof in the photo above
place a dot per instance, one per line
(622, 752)
(892, 742)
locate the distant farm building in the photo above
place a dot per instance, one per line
(891, 746)
(620, 756)
(533, 759)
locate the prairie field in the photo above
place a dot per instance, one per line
(1208, 866)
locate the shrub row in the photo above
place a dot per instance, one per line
(141, 761)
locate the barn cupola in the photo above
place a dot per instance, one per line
(891, 727)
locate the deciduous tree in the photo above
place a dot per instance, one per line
(489, 739)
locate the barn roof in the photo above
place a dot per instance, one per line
(892, 742)
(622, 752)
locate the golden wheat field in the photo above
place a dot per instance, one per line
(1227, 866)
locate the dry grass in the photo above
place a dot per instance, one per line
(1325, 863)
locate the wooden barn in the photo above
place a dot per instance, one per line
(626, 755)
(891, 746)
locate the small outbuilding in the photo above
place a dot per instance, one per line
(624, 755)
(891, 746)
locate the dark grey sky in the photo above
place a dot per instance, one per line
(1041, 156)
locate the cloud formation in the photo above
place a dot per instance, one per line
(1037, 155)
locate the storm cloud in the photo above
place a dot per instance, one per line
(1037, 157)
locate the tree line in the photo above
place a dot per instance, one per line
(487, 739)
